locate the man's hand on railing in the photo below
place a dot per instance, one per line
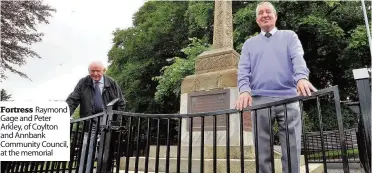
(304, 88)
(244, 100)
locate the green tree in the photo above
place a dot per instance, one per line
(76, 113)
(18, 29)
(4, 96)
(169, 88)
(138, 53)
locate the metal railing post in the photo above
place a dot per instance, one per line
(105, 151)
(108, 150)
(363, 77)
(345, 160)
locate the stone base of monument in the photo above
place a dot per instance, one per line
(214, 100)
(249, 160)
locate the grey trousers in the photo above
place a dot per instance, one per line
(89, 160)
(294, 130)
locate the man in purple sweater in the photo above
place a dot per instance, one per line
(272, 68)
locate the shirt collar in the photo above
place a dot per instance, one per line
(272, 32)
(100, 81)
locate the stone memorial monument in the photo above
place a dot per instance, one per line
(214, 85)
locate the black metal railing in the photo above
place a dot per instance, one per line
(133, 162)
(132, 141)
(78, 152)
(331, 146)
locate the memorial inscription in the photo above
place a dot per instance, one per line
(209, 101)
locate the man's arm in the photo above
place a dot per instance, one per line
(121, 102)
(73, 100)
(296, 54)
(244, 70)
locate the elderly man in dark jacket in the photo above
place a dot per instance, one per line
(93, 93)
(89, 88)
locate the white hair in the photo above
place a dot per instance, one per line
(96, 62)
(261, 3)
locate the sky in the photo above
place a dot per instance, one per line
(79, 32)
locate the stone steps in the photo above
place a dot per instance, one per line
(249, 165)
(313, 168)
(249, 160)
(208, 152)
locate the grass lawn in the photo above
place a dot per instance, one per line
(334, 154)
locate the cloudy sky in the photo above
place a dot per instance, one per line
(79, 32)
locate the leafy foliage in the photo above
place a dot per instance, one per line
(329, 117)
(169, 87)
(138, 53)
(4, 96)
(76, 114)
(18, 29)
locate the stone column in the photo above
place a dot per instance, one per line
(223, 30)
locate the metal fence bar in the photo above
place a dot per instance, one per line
(287, 138)
(25, 166)
(168, 146)
(86, 149)
(51, 169)
(47, 167)
(341, 131)
(321, 134)
(120, 120)
(157, 147)
(256, 141)
(214, 143)
(102, 142)
(35, 167)
(271, 140)
(304, 137)
(41, 167)
(148, 145)
(179, 145)
(241, 141)
(202, 145)
(22, 165)
(137, 144)
(127, 160)
(228, 142)
(74, 143)
(190, 144)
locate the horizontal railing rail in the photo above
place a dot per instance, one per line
(314, 95)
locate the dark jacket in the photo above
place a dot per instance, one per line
(83, 96)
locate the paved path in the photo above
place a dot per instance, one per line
(341, 171)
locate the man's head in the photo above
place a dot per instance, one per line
(266, 16)
(96, 70)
